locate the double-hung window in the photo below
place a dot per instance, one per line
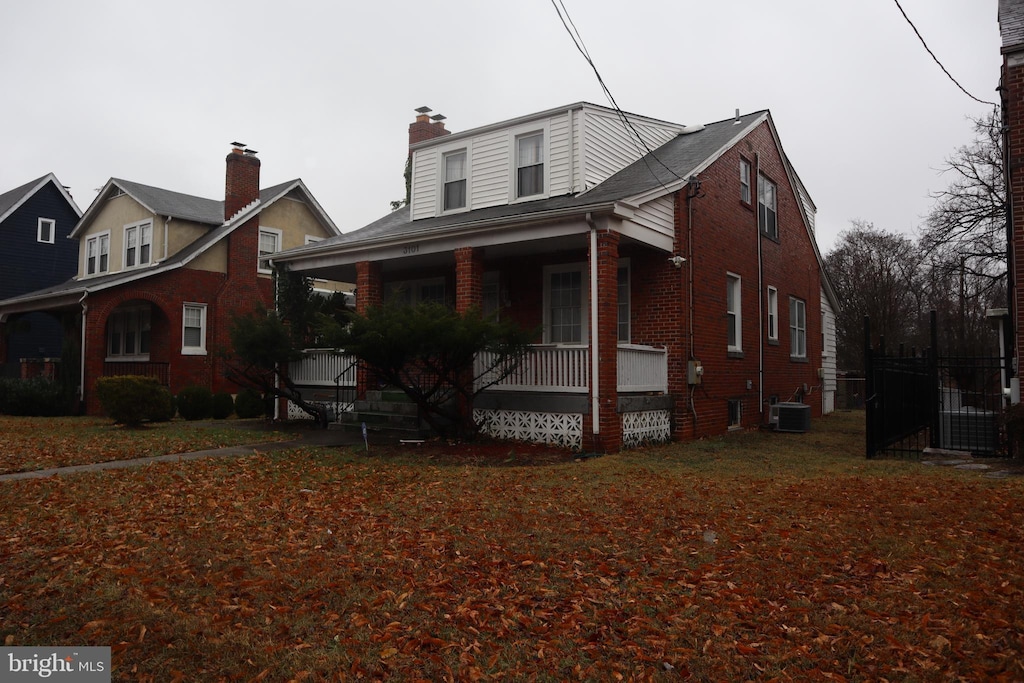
(797, 328)
(138, 244)
(97, 254)
(744, 181)
(270, 243)
(565, 304)
(766, 207)
(193, 329)
(530, 164)
(773, 314)
(623, 317)
(46, 229)
(454, 180)
(128, 334)
(733, 313)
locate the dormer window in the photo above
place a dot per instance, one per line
(138, 244)
(97, 254)
(455, 180)
(530, 164)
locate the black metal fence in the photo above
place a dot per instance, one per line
(916, 401)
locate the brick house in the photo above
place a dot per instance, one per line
(35, 221)
(672, 269)
(1011, 89)
(160, 274)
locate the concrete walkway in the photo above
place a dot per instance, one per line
(305, 438)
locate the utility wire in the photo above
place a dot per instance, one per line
(944, 70)
(577, 39)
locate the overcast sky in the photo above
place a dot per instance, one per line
(325, 90)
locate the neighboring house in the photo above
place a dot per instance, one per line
(35, 221)
(1011, 88)
(161, 273)
(679, 291)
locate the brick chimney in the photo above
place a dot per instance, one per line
(242, 185)
(426, 127)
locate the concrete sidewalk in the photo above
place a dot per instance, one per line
(306, 437)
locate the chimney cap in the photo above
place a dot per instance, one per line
(238, 144)
(250, 152)
(424, 110)
(438, 117)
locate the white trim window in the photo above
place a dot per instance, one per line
(45, 230)
(623, 313)
(138, 244)
(454, 192)
(128, 334)
(270, 243)
(734, 312)
(797, 328)
(97, 254)
(773, 314)
(565, 304)
(744, 181)
(767, 217)
(530, 164)
(413, 292)
(193, 329)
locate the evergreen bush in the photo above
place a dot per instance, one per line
(33, 397)
(249, 404)
(130, 399)
(195, 403)
(222, 406)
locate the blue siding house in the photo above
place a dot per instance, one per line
(35, 252)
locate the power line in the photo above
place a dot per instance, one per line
(944, 70)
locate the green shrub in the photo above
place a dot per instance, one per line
(33, 397)
(249, 404)
(222, 406)
(130, 399)
(195, 403)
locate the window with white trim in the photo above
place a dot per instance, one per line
(270, 243)
(97, 254)
(138, 244)
(565, 304)
(773, 314)
(797, 328)
(733, 312)
(46, 229)
(412, 292)
(193, 329)
(744, 181)
(623, 316)
(128, 333)
(766, 207)
(530, 164)
(454, 193)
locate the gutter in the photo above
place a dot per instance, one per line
(81, 353)
(595, 360)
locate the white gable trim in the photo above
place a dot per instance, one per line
(49, 178)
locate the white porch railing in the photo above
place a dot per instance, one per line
(324, 368)
(642, 368)
(545, 368)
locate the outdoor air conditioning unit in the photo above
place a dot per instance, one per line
(792, 417)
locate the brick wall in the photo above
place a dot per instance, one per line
(1013, 118)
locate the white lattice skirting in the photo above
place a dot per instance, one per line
(337, 408)
(649, 426)
(560, 429)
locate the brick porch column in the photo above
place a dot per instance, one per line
(609, 439)
(469, 278)
(369, 293)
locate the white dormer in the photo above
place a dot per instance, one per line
(547, 154)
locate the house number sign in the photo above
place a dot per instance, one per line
(410, 249)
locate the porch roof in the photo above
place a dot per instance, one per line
(658, 173)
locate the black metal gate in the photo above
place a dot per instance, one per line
(924, 400)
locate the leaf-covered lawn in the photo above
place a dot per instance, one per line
(38, 443)
(756, 556)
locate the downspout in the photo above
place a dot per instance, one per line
(595, 384)
(277, 376)
(81, 353)
(693, 182)
(760, 300)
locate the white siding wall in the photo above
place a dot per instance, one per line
(609, 146)
(828, 359)
(424, 186)
(489, 171)
(658, 215)
(559, 150)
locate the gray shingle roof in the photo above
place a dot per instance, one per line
(1011, 23)
(185, 206)
(11, 197)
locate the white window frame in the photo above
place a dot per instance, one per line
(278, 236)
(51, 226)
(138, 229)
(797, 328)
(763, 209)
(734, 314)
(100, 240)
(515, 135)
(745, 188)
(443, 179)
(773, 314)
(143, 324)
(199, 350)
(624, 329)
(584, 271)
(414, 289)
